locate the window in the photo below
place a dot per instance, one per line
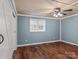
(37, 25)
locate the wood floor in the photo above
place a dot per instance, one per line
(57, 50)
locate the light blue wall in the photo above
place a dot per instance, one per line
(69, 29)
(26, 37)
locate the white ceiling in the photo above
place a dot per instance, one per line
(45, 7)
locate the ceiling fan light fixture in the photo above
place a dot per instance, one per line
(55, 15)
(60, 14)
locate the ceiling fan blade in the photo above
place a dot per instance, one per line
(64, 14)
(68, 10)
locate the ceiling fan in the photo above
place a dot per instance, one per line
(56, 12)
(59, 13)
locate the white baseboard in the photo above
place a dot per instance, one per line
(69, 42)
(38, 43)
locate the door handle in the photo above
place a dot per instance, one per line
(1, 38)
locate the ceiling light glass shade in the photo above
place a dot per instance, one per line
(60, 14)
(55, 15)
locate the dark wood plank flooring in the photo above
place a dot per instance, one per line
(57, 50)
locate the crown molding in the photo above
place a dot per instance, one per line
(47, 17)
(38, 16)
(69, 16)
